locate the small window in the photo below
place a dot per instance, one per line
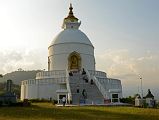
(115, 98)
(114, 95)
(77, 90)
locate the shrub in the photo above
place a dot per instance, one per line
(54, 102)
(18, 104)
(157, 104)
(26, 102)
(39, 100)
(1, 103)
(130, 100)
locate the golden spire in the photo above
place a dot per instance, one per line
(71, 21)
(70, 15)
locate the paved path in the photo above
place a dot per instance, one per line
(109, 104)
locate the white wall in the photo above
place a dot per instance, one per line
(58, 55)
(39, 90)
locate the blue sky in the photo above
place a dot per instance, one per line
(125, 34)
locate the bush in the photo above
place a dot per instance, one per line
(1, 103)
(157, 104)
(130, 100)
(18, 104)
(39, 100)
(145, 105)
(26, 102)
(54, 102)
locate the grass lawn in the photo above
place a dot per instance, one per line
(46, 111)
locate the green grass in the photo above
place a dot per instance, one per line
(46, 111)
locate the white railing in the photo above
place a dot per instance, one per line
(50, 74)
(52, 81)
(97, 73)
(100, 87)
(98, 84)
(61, 80)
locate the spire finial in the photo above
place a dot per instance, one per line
(70, 5)
(71, 21)
(71, 8)
(70, 15)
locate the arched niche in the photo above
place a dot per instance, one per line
(74, 61)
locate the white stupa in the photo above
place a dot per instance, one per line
(71, 71)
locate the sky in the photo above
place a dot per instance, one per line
(125, 34)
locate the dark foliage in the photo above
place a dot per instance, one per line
(15, 89)
(129, 100)
(42, 100)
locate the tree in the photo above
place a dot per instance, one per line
(1, 75)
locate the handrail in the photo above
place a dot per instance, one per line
(100, 87)
(98, 84)
(97, 73)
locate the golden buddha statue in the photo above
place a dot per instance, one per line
(74, 62)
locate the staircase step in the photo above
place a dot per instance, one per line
(93, 94)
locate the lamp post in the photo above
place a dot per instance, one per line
(141, 90)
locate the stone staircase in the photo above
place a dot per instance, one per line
(82, 91)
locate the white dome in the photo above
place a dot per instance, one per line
(71, 36)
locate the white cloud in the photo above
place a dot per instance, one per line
(28, 60)
(116, 62)
(122, 65)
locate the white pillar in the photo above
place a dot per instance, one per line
(58, 98)
(66, 98)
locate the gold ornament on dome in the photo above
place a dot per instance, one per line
(70, 16)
